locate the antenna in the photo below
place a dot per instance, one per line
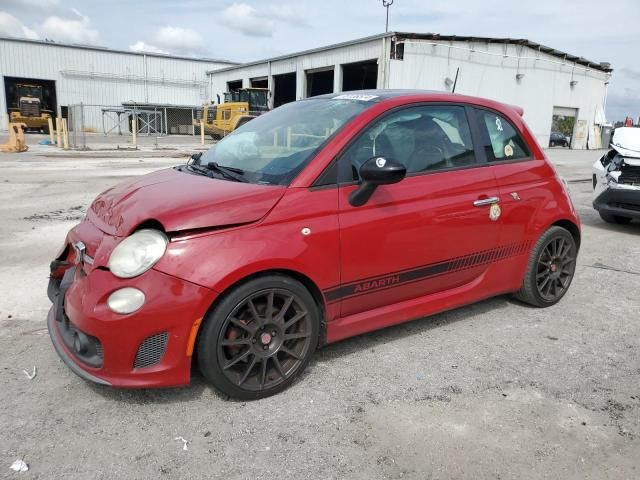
(455, 82)
(386, 4)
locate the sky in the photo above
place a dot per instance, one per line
(248, 30)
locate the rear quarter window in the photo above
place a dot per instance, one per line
(502, 140)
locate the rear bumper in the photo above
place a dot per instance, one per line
(114, 341)
(619, 201)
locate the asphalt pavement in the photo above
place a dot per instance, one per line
(492, 390)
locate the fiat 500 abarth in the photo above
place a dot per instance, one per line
(323, 219)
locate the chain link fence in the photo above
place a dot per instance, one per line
(105, 127)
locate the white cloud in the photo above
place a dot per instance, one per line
(246, 19)
(140, 46)
(72, 30)
(260, 23)
(286, 14)
(10, 26)
(178, 39)
(172, 40)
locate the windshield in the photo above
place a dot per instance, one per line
(274, 147)
(29, 91)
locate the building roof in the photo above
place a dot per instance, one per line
(51, 43)
(604, 66)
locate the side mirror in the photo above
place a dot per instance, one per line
(376, 171)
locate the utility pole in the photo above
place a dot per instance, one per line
(386, 4)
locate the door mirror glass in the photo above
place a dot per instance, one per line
(376, 171)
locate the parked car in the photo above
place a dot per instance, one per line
(616, 178)
(323, 219)
(558, 139)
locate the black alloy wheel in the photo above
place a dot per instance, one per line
(550, 270)
(556, 265)
(259, 338)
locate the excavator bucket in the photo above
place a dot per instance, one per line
(16, 141)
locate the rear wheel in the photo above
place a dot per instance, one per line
(259, 338)
(550, 269)
(614, 218)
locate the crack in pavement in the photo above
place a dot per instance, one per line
(602, 266)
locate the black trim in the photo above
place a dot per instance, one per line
(73, 366)
(328, 177)
(403, 277)
(619, 202)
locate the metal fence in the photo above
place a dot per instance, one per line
(117, 126)
(133, 125)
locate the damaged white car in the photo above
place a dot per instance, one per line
(616, 178)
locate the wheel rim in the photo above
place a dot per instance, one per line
(264, 340)
(556, 265)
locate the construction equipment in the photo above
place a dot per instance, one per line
(28, 107)
(16, 141)
(239, 107)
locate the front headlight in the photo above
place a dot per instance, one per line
(137, 253)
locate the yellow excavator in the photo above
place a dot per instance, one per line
(28, 108)
(239, 107)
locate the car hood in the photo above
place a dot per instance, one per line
(180, 201)
(626, 141)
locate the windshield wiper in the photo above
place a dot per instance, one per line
(230, 172)
(200, 169)
(195, 157)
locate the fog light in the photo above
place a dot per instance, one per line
(126, 300)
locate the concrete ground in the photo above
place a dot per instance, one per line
(492, 390)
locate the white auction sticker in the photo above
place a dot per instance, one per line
(355, 96)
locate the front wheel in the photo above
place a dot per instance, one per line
(550, 269)
(259, 338)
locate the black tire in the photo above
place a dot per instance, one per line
(607, 217)
(248, 350)
(550, 269)
(216, 136)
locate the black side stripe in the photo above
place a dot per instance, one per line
(394, 279)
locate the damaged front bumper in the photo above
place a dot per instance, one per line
(619, 200)
(148, 348)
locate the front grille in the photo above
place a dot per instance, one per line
(151, 350)
(30, 109)
(627, 206)
(630, 175)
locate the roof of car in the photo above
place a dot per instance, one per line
(377, 95)
(380, 95)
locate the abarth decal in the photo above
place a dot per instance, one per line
(382, 282)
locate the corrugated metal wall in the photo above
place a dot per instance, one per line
(335, 57)
(105, 77)
(489, 70)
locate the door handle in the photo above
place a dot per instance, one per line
(485, 201)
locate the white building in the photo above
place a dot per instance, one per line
(547, 83)
(71, 74)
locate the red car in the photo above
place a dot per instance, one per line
(323, 219)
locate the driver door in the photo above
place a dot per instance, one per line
(428, 233)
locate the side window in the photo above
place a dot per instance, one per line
(423, 139)
(504, 143)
